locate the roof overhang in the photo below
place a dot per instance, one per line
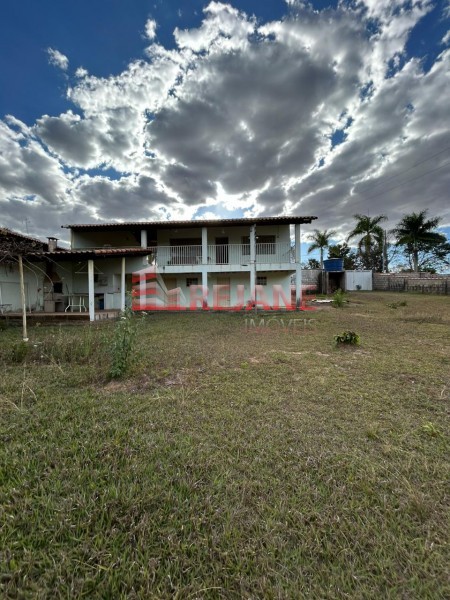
(88, 253)
(284, 220)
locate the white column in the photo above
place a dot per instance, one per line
(204, 246)
(205, 286)
(91, 290)
(144, 245)
(253, 261)
(122, 286)
(298, 268)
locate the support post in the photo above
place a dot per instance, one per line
(91, 290)
(204, 245)
(23, 301)
(253, 262)
(205, 288)
(122, 286)
(144, 245)
(298, 267)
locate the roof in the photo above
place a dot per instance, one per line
(91, 253)
(5, 232)
(283, 220)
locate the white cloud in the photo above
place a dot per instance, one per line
(150, 29)
(56, 58)
(241, 116)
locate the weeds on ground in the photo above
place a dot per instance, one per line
(339, 299)
(122, 345)
(397, 304)
(347, 338)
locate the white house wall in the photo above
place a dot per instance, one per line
(234, 234)
(100, 239)
(273, 278)
(33, 283)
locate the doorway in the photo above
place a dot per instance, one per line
(222, 251)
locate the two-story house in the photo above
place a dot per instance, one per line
(225, 263)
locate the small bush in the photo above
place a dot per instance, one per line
(339, 299)
(397, 304)
(123, 342)
(19, 352)
(347, 337)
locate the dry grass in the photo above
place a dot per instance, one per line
(232, 462)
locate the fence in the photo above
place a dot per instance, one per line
(425, 283)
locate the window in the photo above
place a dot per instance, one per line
(191, 281)
(265, 244)
(261, 280)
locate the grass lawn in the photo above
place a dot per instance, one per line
(230, 462)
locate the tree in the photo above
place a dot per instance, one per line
(320, 241)
(352, 261)
(311, 264)
(424, 247)
(370, 245)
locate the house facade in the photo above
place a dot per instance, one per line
(221, 264)
(197, 264)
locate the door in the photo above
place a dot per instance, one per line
(223, 295)
(221, 250)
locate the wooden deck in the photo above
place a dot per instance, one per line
(58, 317)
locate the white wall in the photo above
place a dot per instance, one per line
(99, 239)
(358, 278)
(234, 233)
(10, 286)
(235, 279)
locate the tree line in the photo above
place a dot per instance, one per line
(414, 240)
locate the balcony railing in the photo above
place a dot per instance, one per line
(223, 254)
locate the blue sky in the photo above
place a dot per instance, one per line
(153, 110)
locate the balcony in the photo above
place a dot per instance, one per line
(223, 254)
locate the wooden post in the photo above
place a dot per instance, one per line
(122, 286)
(23, 302)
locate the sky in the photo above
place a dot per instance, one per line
(112, 110)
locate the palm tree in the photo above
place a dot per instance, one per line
(370, 233)
(320, 240)
(416, 233)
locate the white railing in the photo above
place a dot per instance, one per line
(223, 254)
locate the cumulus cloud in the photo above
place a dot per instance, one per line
(321, 112)
(56, 58)
(150, 29)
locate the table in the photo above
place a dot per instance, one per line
(76, 301)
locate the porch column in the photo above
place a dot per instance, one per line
(144, 245)
(253, 262)
(298, 268)
(91, 290)
(204, 246)
(205, 287)
(122, 286)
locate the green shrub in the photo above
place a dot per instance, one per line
(19, 352)
(339, 299)
(397, 304)
(123, 342)
(347, 337)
